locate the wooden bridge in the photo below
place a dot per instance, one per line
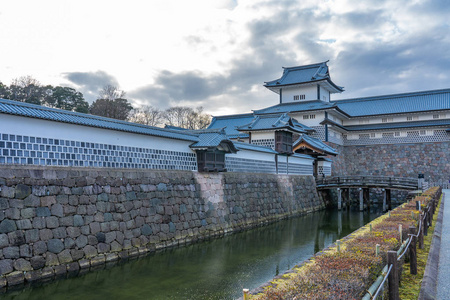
(343, 184)
(395, 183)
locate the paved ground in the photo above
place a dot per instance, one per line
(443, 280)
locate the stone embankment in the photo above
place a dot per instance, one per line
(55, 221)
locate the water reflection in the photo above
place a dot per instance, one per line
(216, 269)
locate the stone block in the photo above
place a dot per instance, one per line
(52, 222)
(73, 267)
(37, 262)
(22, 191)
(4, 203)
(43, 212)
(116, 247)
(45, 234)
(31, 235)
(94, 227)
(60, 270)
(7, 226)
(26, 251)
(51, 259)
(57, 210)
(4, 240)
(22, 265)
(73, 232)
(59, 233)
(55, 246)
(12, 213)
(16, 238)
(28, 213)
(7, 192)
(6, 266)
(103, 248)
(69, 243)
(11, 252)
(92, 240)
(66, 221)
(15, 278)
(89, 251)
(101, 237)
(65, 257)
(81, 241)
(77, 254)
(78, 221)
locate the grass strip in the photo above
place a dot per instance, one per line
(410, 284)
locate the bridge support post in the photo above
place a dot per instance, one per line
(367, 197)
(361, 199)
(388, 199)
(339, 198)
(384, 200)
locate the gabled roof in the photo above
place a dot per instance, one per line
(303, 75)
(272, 122)
(230, 124)
(64, 116)
(297, 107)
(396, 104)
(213, 139)
(313, 144)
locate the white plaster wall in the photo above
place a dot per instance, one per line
(320, 116)
(248, 154)
(310, 92)
(301, 161)
(324, 94)
(263, 135)
(49, 129)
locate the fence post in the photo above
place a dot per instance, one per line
(412, 251)
(245, 291)
(425, 223)
(430, 216)
(421, 218)
(393, 276)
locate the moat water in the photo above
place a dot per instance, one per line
(213, 269)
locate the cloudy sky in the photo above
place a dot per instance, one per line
(218, 53)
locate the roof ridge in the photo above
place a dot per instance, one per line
(390, 96)
(307, 66)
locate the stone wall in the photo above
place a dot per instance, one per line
(55, 221)
(399, 160)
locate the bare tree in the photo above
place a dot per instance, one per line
(147, 115)
(110, 92)
(186, 117)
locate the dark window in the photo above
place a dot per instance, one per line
(283, 142)
(211, 161)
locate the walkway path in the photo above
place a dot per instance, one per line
(443, 280)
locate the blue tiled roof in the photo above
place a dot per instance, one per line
(58, 115)
(246, 146)
(303, 74)
(398, 125)
(316, 144)
(272, 122)
(296, 106)
(397, 103)
(230, 124)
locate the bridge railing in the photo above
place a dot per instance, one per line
(367, 181)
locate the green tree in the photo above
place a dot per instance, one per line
(111, 104)
(66, 98)
(26, 89)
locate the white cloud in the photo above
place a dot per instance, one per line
(218, 53)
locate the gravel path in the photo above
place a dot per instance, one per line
(443, 283)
